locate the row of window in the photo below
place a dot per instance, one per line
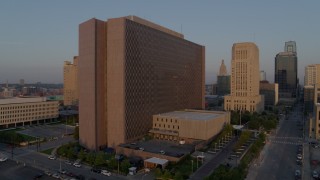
(26, 119)
(166, 120)
(168, 126)
(27, 106)
(27, 114)
(27, 110)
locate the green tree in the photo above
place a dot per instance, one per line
(113, 163)
(100, 159)
(166, 175)
(90, 158)
(125, 165)
(178, 176)
(76, 133)
(82, 155)
(158, 173)
(70, 153)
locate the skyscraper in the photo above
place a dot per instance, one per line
(244, 79)
(312, 75)
(70, 82)
(129, 70)
(286, 74)
(223, 80)
(290, 46)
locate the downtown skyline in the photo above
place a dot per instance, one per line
(37, 37)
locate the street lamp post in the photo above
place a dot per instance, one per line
(192, 165)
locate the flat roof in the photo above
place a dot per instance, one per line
(19, 100)
(157, 160)
(191, 115)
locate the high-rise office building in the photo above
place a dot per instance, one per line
(290, 46)
(270, 92)
(286, 74)
(263, 76)
(129, 70)
(223, 80)
(312, 75)
(70, 82)
(21, 82)
(244, 79)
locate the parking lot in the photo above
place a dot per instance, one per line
(47, 131)
(18, 171)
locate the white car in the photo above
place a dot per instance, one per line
(299, 156)
(56, 175)
(77, 165)
(52, 157)
(3, 159)
(106, 173)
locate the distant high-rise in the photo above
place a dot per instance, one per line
(286, 74)
(21, 82)
(245, 79)
(223, 80)
(223, 69)
(129, 70)
(290, 46)
(263, 76)
(312, 75)
(70, 82)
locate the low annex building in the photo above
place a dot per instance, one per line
(26, 111)
(189, 125)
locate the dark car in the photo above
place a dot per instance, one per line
(80, 177)
(96, 170)
(70, 174)
(38, 176)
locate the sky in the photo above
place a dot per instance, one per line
(37, 36)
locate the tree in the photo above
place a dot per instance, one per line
(76, 133)
(158, 173)
(125, 165)
(70, 153)
(166, 175)
(113, 163)
(90, 158)
(178, 176)
(100, 159)
(82, 155)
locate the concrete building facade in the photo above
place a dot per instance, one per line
(245, 78)
(16, 112)
(189, 125)
(270, 92)
(308, 98)
(312, 75)
(70, 82)
(314, 125)
(130, 69)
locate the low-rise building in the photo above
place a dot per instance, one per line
(26, 111)
(189, 125)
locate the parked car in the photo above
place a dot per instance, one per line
(56, 175)
(106, 173)
(76, 164)
(68, 162)
(38, 176)
(52, 157)
(299, 156)
(315, 174)
(62, 171)
(299, 162)
(3, 159)
(48, 173)
(96, 170)
(162, 152)
(297, 174)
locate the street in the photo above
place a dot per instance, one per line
(278, 158)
